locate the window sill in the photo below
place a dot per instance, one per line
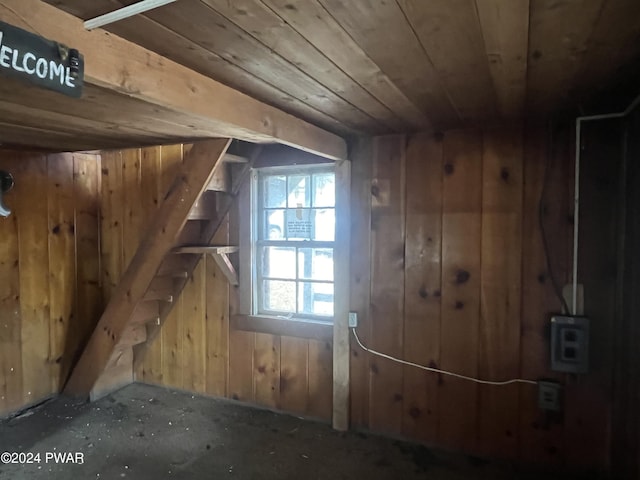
(279, 326)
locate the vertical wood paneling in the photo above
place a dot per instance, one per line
(387, 282)
(61, 264)
(48, 248)
(241, 345)
(625, 458)
(171, 333)
(87, 228)
(217, 321)
(541, 434)
(320, 370)
(150, 192)
(193, 316)
(588, 423)
(500, 294)
(172, 353)
(33, 232)
(132, 200)
(294, 365)
(461, 238)
(423, 291)
(10, 320)
(266, 370)
(496, 294)
(111, 222)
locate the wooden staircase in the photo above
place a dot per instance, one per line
(192, 211)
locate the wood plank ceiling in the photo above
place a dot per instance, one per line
(381, 66)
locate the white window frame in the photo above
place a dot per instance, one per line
(257, 241)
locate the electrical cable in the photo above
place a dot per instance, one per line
(437, 370)
(541, 212)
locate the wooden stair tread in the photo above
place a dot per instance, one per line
(145, 311)
(133, 335)
(160, 297)
(206, 249)
(205, 207)
(174, 274)
(231, 158)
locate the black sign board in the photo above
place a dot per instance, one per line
(40, 61)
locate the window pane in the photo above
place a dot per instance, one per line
(315, 263)
(275, 191)
(273, 225)
(324, 190)
(315, 298)
(299, 226)
(279, 296)
(279, 262)
(324, 224)
(299, 191)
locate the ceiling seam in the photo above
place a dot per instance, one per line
(319, 2)
(295, 67)
(331, 61)
(444, 89)
(578, 73)
(486, 54)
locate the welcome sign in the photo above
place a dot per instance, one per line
(40, 61)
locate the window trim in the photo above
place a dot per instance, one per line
(342, 275)
(255, 217)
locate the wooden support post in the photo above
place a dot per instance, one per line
(198, 168)
(342, 298)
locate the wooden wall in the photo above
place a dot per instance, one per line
(626, 422)
(456, 278)
(49, 272)
(197, 349)
(448, 270)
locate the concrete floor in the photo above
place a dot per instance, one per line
(145, 432)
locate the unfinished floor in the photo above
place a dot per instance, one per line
(146, 432)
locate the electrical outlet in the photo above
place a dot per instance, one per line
(569, 344)
(353, 319)
(549, 394)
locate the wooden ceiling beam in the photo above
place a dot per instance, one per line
(117, 64)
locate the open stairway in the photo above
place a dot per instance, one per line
(191, 212)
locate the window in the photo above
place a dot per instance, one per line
(294, 219)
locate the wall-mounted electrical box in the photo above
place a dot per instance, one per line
(570, 344)
(549, 396)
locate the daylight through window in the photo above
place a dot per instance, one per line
(294, 224)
